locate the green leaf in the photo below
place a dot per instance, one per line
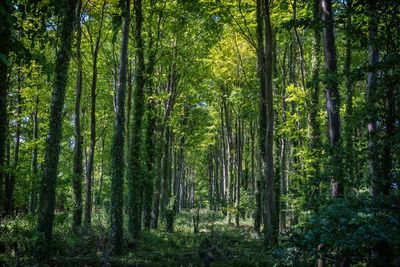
(3, 58)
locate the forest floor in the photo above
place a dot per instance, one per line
(218, 243)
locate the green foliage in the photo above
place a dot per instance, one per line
(349, 228)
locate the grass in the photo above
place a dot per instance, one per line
(218, 243)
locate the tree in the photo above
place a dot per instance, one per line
(315, 141)
(10, 179)
(5, 44)
(265, 48)
(117, 150)
(332, 96)
(78, 164)
(134, 172)
(52, 151)
(377, 186)
(93, 93)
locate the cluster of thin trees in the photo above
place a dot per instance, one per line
(247, 156)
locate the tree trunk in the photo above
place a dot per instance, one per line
(229, 151)
(149, 140)
(376, 185)
(52, 150)
(10, 182)
(332, 97)
(262, 121)
(270, 216)
(181, 171)
(134, 176)
(98, 199)
(157, 194)
(34, 164)
(315, 135)
(5, 44)
(93, 93)
(299, 44)
(78, 158)
(117, 148)
(150, 161)
(224, 161)
(239, 151)
(348, 131)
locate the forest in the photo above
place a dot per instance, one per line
(200, 133)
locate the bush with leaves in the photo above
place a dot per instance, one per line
(348, 229)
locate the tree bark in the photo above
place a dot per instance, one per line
(34, 163)
(239, 151)
(117, 148)
(271, 225)
(5, 45)
(315, 135)
(332, 97)
(77, 170)
(93, 94)
(10, 182)
(52, 150)
(134, 175)
(349, 94)
(373, 53)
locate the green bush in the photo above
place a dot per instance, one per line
(348, 229)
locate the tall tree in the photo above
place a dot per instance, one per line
(315, 141)
(348, 129)
(332, 96)
(10, 181)
(265, 57)
(52, 150)
(262, 126)
(34, 163)
(5, 45)
(95, 47)
(134, 174)
(77, 170)
(271, 225)
(117, 150)
(373, 55)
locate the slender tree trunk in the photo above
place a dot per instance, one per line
(262, 117)
(315, 135)
(149, 144)
(135, 189)
(129, 108)
(390, 118)
(52, 150)
(34, 164)
(299, 44)
(217, 179)
(181, 171)
(117, 148)
(252, 159)
(239, 170)
(283, 151)
(93, 93)
(150, 161)
(349, 95)
(224, 160)
(5, 44)
(376, 185)
(271, 225)
(78, 158)
(332, 97)
(157, 194)
(100, 189)
(229, 152)
(10, 182)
